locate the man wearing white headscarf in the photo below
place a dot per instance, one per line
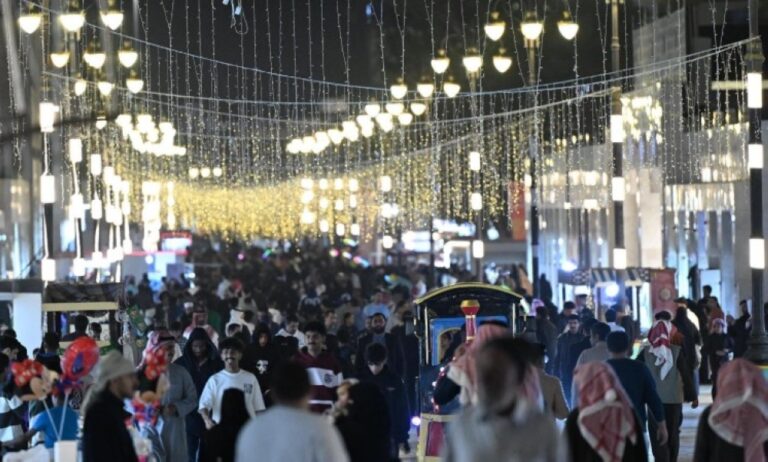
(668, 365)
(105, 435)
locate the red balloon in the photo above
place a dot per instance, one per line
(79, 358)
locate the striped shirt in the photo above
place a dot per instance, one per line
(10, 418)
(324, 377)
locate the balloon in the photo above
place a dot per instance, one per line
(155, 363)
(79, 358)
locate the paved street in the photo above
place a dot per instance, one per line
(690, 422)
(687, 435)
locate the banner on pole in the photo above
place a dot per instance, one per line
(663, 290)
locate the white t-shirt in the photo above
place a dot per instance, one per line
(298, 335)
(284, 431)
(214, 388)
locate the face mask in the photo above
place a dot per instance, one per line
(409, 328)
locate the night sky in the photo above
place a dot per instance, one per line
(319, 24)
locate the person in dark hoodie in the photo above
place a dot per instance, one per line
(260, 359)
(201, 360)
(364, 424)
(378, 317)
(717, 348)
(393, 389)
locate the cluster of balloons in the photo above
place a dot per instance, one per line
(35, 382)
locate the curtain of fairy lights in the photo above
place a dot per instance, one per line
(249, 134)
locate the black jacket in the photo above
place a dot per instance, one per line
(261, 361)
(581, 451)
(546, 334)
(711, 448)
(740, 331)
(391, 386)
(218, 444)
(200, 373)
(365, 425)
(569, 347)
(395, 355)
(715, 343)
(105, 436)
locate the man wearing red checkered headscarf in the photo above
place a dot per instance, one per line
(603, 427)
(735, 427)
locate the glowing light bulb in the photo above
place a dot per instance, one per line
(476, 201)
(451, 88)
(112, 18)
(47, 188)
(531, 27)
(399, 89)
(127, 56)
(95, 165)
(495, 28)
(94, 57)
(395, 108)
(97, 209)
(372, 109)
(473, 61)
(60, 59)
(72, 21)
(502, 62)
(134, 84)
(105, 88)
(478, 249)
(307, 217)
(75, 150)
(418, 108)
(47, 116)
(474, 161)
(567, 27)
(405, 118)
(80, 86)
(30, 22)
(385, 183)
(425, 89)
(336, 135)
(440, 62)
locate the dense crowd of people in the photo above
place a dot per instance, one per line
(304, 356)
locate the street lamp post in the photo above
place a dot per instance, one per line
(757, 350)
(618, 188)
(532, 29)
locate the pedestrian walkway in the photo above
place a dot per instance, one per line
(687, 431)
(691, 422)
